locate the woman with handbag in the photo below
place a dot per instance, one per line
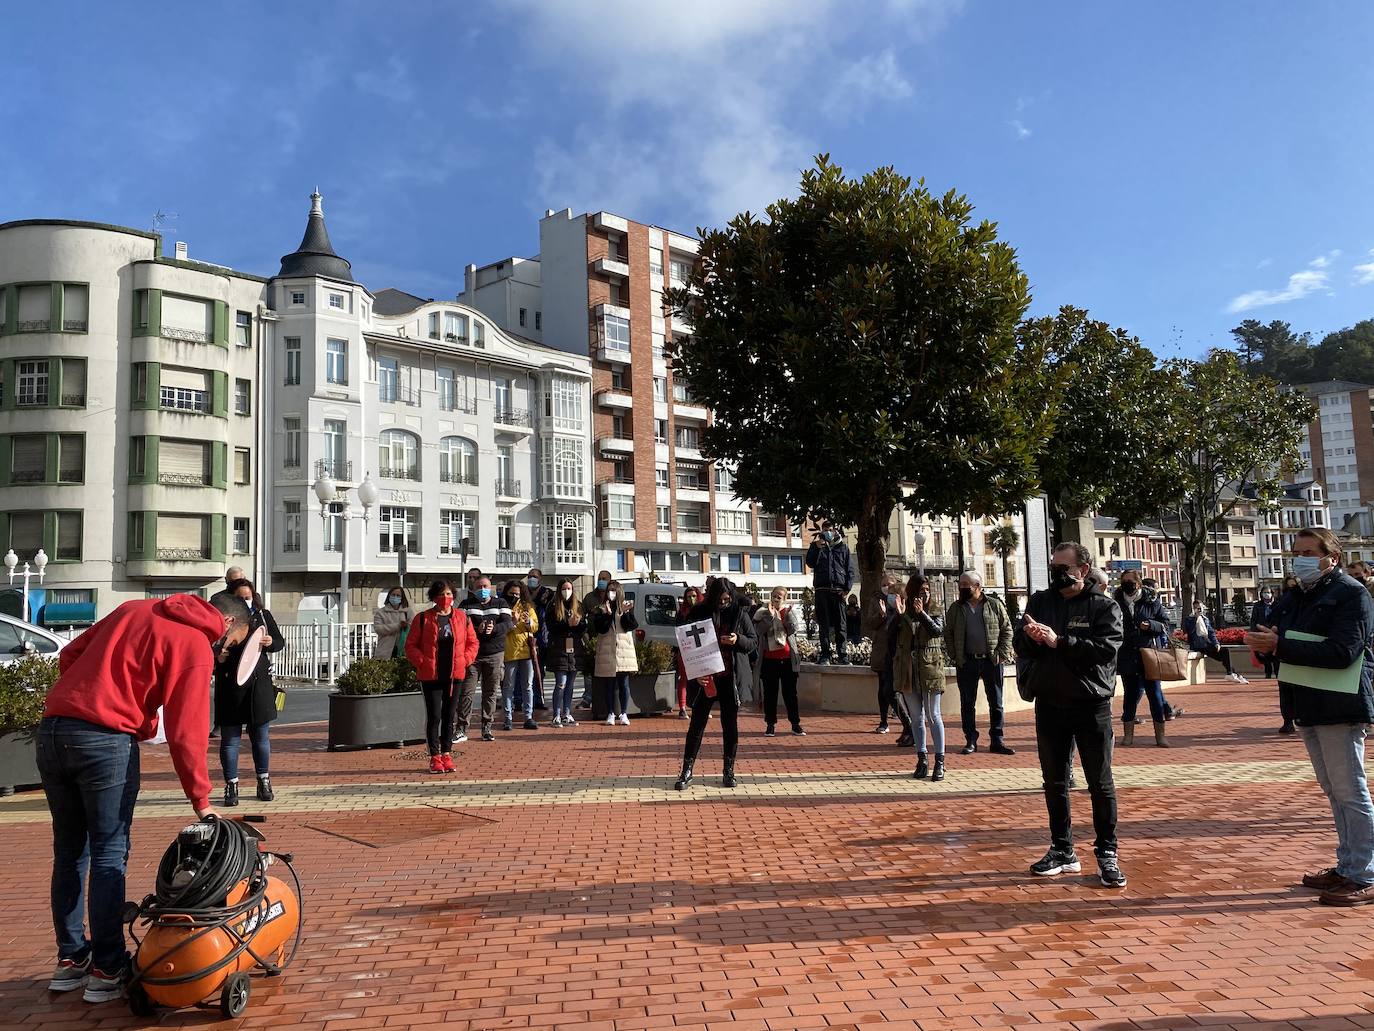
(392, 624)
(1143, 619)
(918, 671)
(251, 705)
(777, 625)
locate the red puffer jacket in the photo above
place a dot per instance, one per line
(422, 645)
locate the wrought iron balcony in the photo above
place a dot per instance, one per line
(508, 488)
(398, 471)
(74, 325)
(336, 469)
(394, 394)
(512, 559)
(466, 405)
(185, 333)
(466, 477)
(291, 547)
(33, 326)
(182, 554)
(513, 417)
(28, 476)
(171, 479)
(74, 400)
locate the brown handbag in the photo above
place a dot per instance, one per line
(1164, 664)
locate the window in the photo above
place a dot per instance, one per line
(679, 270)
(500, 395)
(565, 537)
(725, 479)
(728, 521)
(479, 334)
(665, 518)
(184, 390)
(790, 564)
(447, 382)
(563, 403)
(291, 442)
(293, 361)
(506, 483)
(333, 527)
(243, 397)
(620, 513)
(688, 437)
(615, 333)
(336, 301)
(661, 474)
(388, 376)
(336, 361)
(137, 528)
(32, 386)
(291, 526)
(727, 563)
(538, 320)
(28, 458)
(454, 525)
(690, 478)
(68, 537)
(243, 329)
(680, 394)
(434, 325)
(188, 319)
(762, 563)
(400, 530)
(656, 261)
(563, 468)
(75, 307)
(26, 532)
(455, 327)
(243, 465)
(457, 461)
(297, 296)
(336, 449)
(522, 317)
(660, 389)
(617, 296)
(660, 431)
(689, 518)
(138, 456)
(399, 456)
(183, 463)
(505, 532)
(617, 379)
(622, 471)
(239, 546)
(618, 427)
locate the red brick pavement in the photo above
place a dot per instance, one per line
(832, 911)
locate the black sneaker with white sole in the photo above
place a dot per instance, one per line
(1110, 871)
(1056, 862)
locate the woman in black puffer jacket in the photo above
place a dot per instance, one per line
(1143, 623)
(252, 705)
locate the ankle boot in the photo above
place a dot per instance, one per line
(684, 779)
(1159, 736)
(922, 770)
(939, 772)
(1128, 734)
(727, 780)
(231, 793)
(265, 788)
(689, 756)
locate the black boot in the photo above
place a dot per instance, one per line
(922, 770)
(689, 756)
(684, 779)
(939, 772)
(231, 793)
(728, 779)
(265, 788)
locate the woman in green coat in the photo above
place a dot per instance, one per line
(918, 670)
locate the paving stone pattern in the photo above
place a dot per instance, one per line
(558, 882)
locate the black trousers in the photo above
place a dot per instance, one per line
(779, 673)
(967, 677)
(1286, 701)
(831, 616)
(889, 698)
(1057, 730)
(701, 715)
(441, 700)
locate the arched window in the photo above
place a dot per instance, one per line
(458, 461)
(400, 455)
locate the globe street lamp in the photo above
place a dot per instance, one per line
(920, 551)
(327, 491)
(40, 562)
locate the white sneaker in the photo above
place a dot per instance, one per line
(460, 739)
(610, 720)
(624, 719)
(1237, 678)
(103, 987)
(568, 721)
(556, 722)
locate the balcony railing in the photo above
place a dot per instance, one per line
(466, 405)
(292, 547)
(190, 336)
(335, 469)
(182, 554)
(512, 559)
(399, 471)
(74, 400)
(182, 479)
(468, 478)
(74, 325)
(508, 488)
(513, 417)
(177, 399)
(616, 479)
(393, 394)
(33, 326)
(28, 476)
(77, 475)
(31, 398)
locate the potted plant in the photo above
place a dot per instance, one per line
(377, 702)
(24, 688)
(654, 687)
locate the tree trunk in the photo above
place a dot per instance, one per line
(874, 533)
(1006, 580)
(1191, 557)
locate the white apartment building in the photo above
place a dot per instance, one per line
(1339, 448)
(1302, 504)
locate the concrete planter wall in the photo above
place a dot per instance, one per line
(361, 721)
(18, 761)
(650, 693)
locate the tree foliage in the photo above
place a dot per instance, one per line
(860, 337)
(1004, 540)
(1275, 350)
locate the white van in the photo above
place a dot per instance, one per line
(655, 608)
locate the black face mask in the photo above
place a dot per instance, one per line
(1130, 587)
(965, 593)
(1062, 578)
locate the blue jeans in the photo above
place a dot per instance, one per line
(925, 712)
(617, 690)
(90, 775)
(1133, 684)
(563, 681)
(519, 677)
(229, 735)
(1337, 753)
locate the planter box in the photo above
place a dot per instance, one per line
(854, 689)
(650, 694)
(362, 721)
(18, 761)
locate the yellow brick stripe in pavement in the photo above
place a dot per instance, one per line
(488, 794)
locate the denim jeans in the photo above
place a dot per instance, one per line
(925, 712)
(1057, 730)
(229, 734)
(90, 775)
(1133, 684)
(488, 672)
(1337, 752)
(563, 686)
(968, 676)
(617, 690)
(519, 677)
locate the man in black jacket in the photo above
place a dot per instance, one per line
(833, 573)
(1326, 624)
(1067, 643)
(492, 620)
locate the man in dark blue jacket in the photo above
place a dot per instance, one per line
(1326, 624)
(833, 573)
(1263, 615)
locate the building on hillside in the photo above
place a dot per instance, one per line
(131, 449)
(596, 290)
(1338, 451)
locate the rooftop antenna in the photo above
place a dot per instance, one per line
(161, 217)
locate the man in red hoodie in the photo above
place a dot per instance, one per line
(113, 678)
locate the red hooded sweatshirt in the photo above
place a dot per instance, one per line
(143, 655)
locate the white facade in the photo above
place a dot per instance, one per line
(1302, 505)
(1339, 441)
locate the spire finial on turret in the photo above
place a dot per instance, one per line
(315, 198)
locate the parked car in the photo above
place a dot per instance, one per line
(655, 609)
(18, 639)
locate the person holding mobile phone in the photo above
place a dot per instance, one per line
(615, 624)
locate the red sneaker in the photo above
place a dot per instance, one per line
(436, 765)
(447, 760)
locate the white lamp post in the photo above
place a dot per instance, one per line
(920, 551)
(327, 491)
(40, 562)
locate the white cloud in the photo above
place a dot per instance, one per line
(1299, 285)
(1022, 133)
(875, 78)
(1364, 272)
(1265, 263)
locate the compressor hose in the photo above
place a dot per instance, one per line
(231, 856)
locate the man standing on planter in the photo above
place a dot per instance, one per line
(114, 677)
(833, 573)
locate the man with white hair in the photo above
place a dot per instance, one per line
(230, 575)
(978, 641)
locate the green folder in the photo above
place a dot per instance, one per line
(1345, 681)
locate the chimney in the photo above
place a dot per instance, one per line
(181, 250)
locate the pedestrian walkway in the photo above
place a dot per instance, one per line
(558, 882)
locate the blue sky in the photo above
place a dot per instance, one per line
(1172, 167)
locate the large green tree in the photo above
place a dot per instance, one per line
(862, 337)
(1346, 354)
(1274, 350)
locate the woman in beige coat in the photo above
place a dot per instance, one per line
(391, 622)
(614, 623)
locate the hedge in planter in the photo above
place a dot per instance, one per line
(653, 687)
(24, 686)
(378, 702)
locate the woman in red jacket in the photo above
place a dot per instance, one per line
(441, 646)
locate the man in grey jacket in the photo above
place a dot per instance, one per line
(978, 642)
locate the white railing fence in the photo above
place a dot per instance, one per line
(310, 647)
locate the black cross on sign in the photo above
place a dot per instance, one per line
(696, 633)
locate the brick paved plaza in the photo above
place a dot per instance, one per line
(558, 881)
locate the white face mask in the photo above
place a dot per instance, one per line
(567, 593)
(610, 595)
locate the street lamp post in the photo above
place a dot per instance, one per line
(40, 562)
(327, 491)
(920, 551)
